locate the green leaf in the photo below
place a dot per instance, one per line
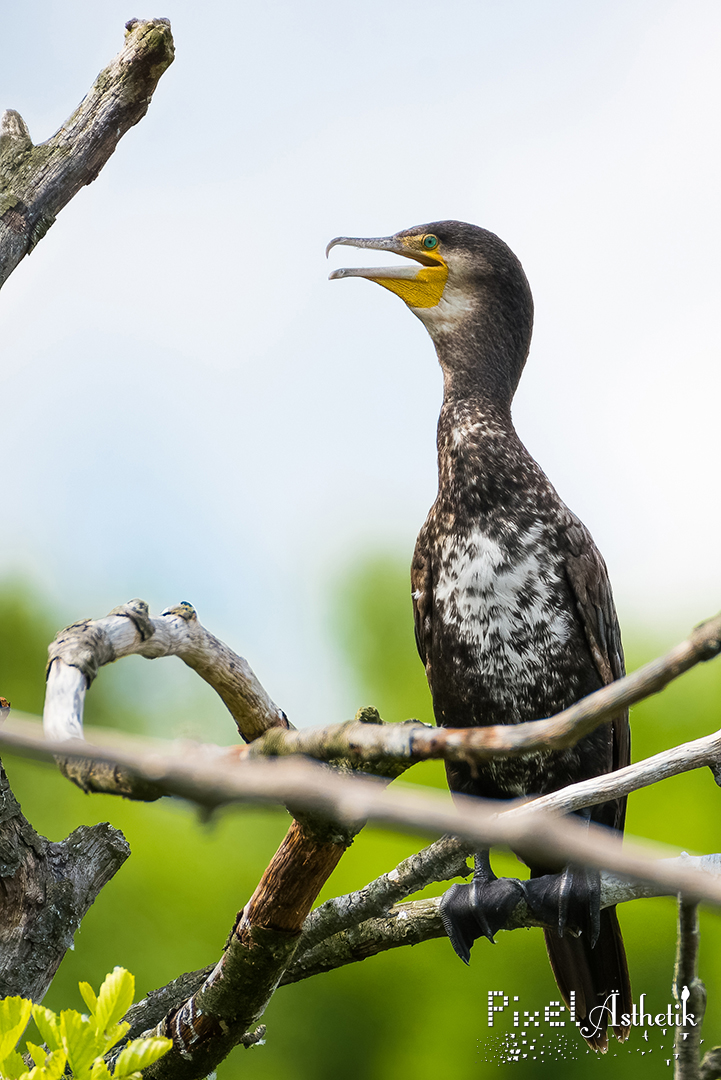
(89, 996)
(14, 1016)
(114, 999)
(100, 1071)
(80, 1041)
(53, 1069)
(12, 1066)
(113, 1035)
(138, 1054)
(48, 1026)
(37, 1053)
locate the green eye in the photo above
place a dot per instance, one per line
(430, 242)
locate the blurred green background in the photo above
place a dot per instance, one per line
(416, 1012)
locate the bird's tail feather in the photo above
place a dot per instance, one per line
(594, 974)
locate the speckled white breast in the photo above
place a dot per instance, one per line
(505, 602)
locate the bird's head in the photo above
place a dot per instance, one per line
(469, 290)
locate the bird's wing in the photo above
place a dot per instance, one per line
(588, 578)
(422, 593)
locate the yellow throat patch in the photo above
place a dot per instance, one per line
(424, 290)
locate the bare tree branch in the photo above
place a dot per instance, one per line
(420, 920)
(36, 182)
(689, 992)
(353, 927)
(415, 742)
(130, 630)
(262, 943)
(366, 743)
(212, 781)
(711, 1064)
(45, 890)
(80, 650)
(266, 946)
(443, 860)
(698, 754)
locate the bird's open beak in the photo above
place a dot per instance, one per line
(419, 287)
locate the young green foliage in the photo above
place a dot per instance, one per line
(77, 1041)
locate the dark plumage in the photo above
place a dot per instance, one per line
(514, 616)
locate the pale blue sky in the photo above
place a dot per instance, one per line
(192, 411)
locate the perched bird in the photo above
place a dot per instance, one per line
(514, 616)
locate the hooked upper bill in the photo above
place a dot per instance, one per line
(418, 287)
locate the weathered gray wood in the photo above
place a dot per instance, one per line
(36, 182)
(80, 650)
(206, 776)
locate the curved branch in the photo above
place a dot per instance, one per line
(80, 650)
(365, 743)
(36, 182)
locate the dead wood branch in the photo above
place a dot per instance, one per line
(45, 890)
(443, 860)
(234, 995)
(265, 946)
(361, 924)
(697, 754)
(413, 742)
(79, 651)
(36, 182)
(350, 800)
(366, 743)
(420, 920)
(689, 992)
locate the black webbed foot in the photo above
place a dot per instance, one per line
(480, 908)
(569, 901)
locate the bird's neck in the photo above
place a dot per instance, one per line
(481, 362)
(482, 464)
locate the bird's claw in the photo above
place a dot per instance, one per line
(479, 909)
(570, 900)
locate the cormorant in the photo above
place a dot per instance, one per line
(514, 616)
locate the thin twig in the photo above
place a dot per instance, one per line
(697, 754)
(689, 992)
